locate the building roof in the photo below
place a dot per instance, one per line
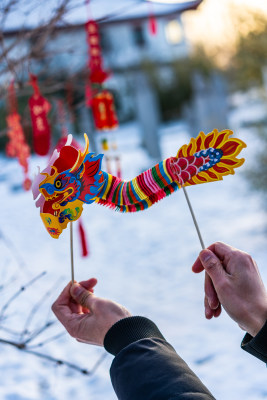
(104, 11)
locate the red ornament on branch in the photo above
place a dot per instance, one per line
(39, 108)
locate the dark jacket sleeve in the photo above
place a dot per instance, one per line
(146, 367)
(257, 346)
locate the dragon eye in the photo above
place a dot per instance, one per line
(58, 184)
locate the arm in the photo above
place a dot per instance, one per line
(235, 282)
(145, 366)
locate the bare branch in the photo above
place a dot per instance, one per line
(15, 295)
(36, 307)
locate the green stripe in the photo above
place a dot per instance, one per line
(157, 178)
(128, 193)
(115, 193)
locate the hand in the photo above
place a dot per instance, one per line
(86, 317)
(235, 282)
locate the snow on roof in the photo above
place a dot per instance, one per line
(31, 13)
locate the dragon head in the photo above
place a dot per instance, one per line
(74, 178)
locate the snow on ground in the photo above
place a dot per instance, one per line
(141, 260)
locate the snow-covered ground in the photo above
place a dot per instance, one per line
(141, 260)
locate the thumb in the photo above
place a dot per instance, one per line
(82, 296)
(212, 265)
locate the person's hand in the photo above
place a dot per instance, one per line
(235, 282)
(86, 317)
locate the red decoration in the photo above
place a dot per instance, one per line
(97, 73)
(39, 108)
(153, 27)
(118, 165)
(104, 113)
(17, 146)
(84, 245)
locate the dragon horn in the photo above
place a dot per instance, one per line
(47, 176)
(81, 155)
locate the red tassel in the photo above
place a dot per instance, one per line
(153, 27)
(83, 239)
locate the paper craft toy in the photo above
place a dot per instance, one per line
(74, 177)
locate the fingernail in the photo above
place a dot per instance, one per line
(205, 256)
(76, 290)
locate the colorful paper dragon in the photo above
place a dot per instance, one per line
(74, 177)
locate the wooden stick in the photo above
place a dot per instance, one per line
(194, 218)
(71, 253)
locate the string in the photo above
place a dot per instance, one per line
(194, 218)
(71, 253)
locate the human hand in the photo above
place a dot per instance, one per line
(86, 317)
(235, 282)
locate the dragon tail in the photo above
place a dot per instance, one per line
(206, 158)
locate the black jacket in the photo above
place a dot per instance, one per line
(146, 367)
(257, 346)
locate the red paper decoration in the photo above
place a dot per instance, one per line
(104, 113)
(39, 108)
(97, 73)
(17, 146)
(152, 22)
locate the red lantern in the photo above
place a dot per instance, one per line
(104, 113)
(39, 108)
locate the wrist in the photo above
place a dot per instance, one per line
(258, 322)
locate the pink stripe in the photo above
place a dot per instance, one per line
(150, 181)
(169, 163)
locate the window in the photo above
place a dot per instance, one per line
(139, 36)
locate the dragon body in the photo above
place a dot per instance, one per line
(76, 178)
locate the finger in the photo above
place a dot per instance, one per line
(64, 296)
(82, 296)
(208, 310)
(197, 266)
(218, 311)
(212, 266)
(75, 307)
(62, 303)
(62, 306)
(210, 293)
(221, 249)
(89, 284)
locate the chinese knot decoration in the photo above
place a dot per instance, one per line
(39, 108)
(74, 178)
(97, 74)
(17, 146)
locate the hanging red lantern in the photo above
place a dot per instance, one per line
(104, 113)
(39, 108)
